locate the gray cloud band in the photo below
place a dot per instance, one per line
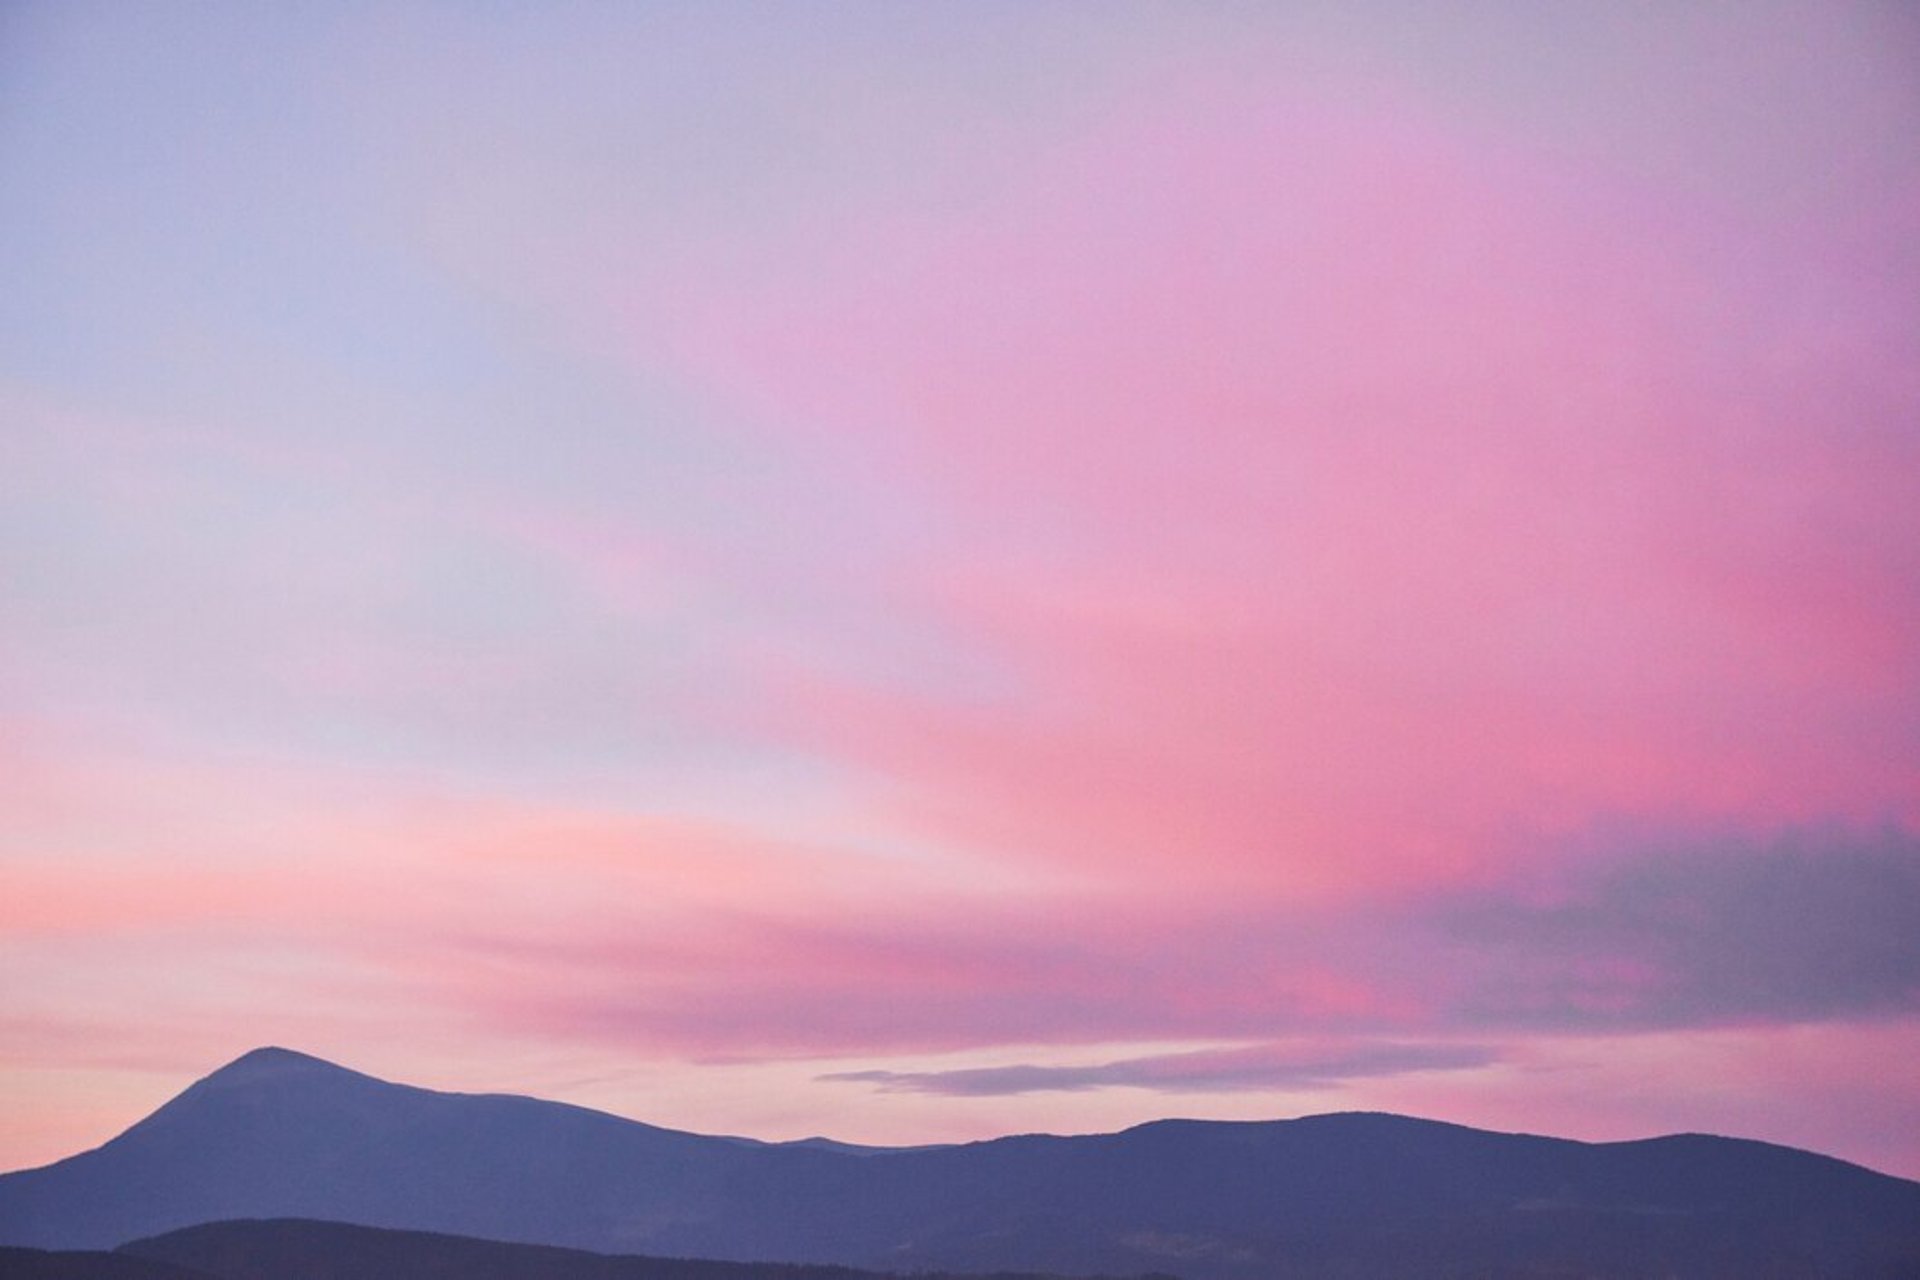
(1204, 1071)
(1812, 927)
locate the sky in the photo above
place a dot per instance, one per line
(921, 571)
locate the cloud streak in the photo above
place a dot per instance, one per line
(1259, 1068)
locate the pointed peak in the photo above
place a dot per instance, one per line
(270, 1061)
(270, 1068)
(274, 1055)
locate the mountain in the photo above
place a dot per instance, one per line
(279, 1134)
(41, 1264)
(295, 1249)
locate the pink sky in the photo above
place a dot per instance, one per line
(922, 573)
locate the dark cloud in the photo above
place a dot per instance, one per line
(1260, 1067)
(1808, 927)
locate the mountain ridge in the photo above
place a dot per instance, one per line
(280, 1134)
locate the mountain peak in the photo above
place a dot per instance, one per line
(271, 1065)
(272, 1060)
(263, 1075)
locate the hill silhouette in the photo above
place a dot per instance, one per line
(295, 1249)
(278, 1134)
(42, 1264)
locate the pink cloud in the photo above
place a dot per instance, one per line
(1350, 497)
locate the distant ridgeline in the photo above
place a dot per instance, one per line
(279, 1135)
(294, 1249)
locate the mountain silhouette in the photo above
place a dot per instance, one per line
(42, 1264)
(278, 1134)
(281, 1249)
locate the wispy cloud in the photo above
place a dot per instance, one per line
(1259, 1068)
